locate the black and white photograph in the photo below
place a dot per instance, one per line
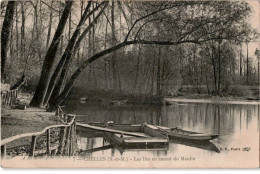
(130, 83)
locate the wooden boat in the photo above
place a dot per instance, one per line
(172, 133)
(139, 136)
(205, 145)
(183, 134)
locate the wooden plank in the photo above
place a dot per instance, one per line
(127, 128)
(146, 140)
(110, 130)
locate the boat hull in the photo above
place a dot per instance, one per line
(182, 134)
(158, 131)
(198, 138)
(131, 136)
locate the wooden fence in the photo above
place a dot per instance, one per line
(8, 98)
(66, 139)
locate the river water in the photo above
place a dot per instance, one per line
(237, 126)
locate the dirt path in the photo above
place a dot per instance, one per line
(15, 122)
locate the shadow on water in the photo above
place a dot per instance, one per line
(231, 122)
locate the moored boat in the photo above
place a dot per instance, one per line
(139, 136)
(183, 134)
(172, 133)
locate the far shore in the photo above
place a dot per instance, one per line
(213, 100)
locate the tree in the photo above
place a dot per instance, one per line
(69, 52)
(42, 86)
(6, 30)
(193, 28)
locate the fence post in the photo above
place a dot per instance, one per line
(48, 142)
(67, 141)
(7, 98)
(33, 144)
(61, 141)
(73, 138)
(3, 151)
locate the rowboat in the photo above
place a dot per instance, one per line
(172, 133)
(129, 136)
(182, 134)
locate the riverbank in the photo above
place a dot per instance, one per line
(170, 101)
(205, 98)
(113, 98)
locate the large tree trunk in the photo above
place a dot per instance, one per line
(42, 86)
(71, 49)
(65, 57)
(6, 29)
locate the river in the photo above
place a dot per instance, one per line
(237, 126)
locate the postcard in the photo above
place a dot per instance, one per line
(130, 84)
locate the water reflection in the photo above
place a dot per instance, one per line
(237, 125)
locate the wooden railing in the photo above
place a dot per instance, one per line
(66, 139)
(8, 98)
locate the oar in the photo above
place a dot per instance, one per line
(111, 130)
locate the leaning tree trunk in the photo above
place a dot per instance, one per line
(70, 50)
(6, 29)
(53, 104)
(43, 84)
